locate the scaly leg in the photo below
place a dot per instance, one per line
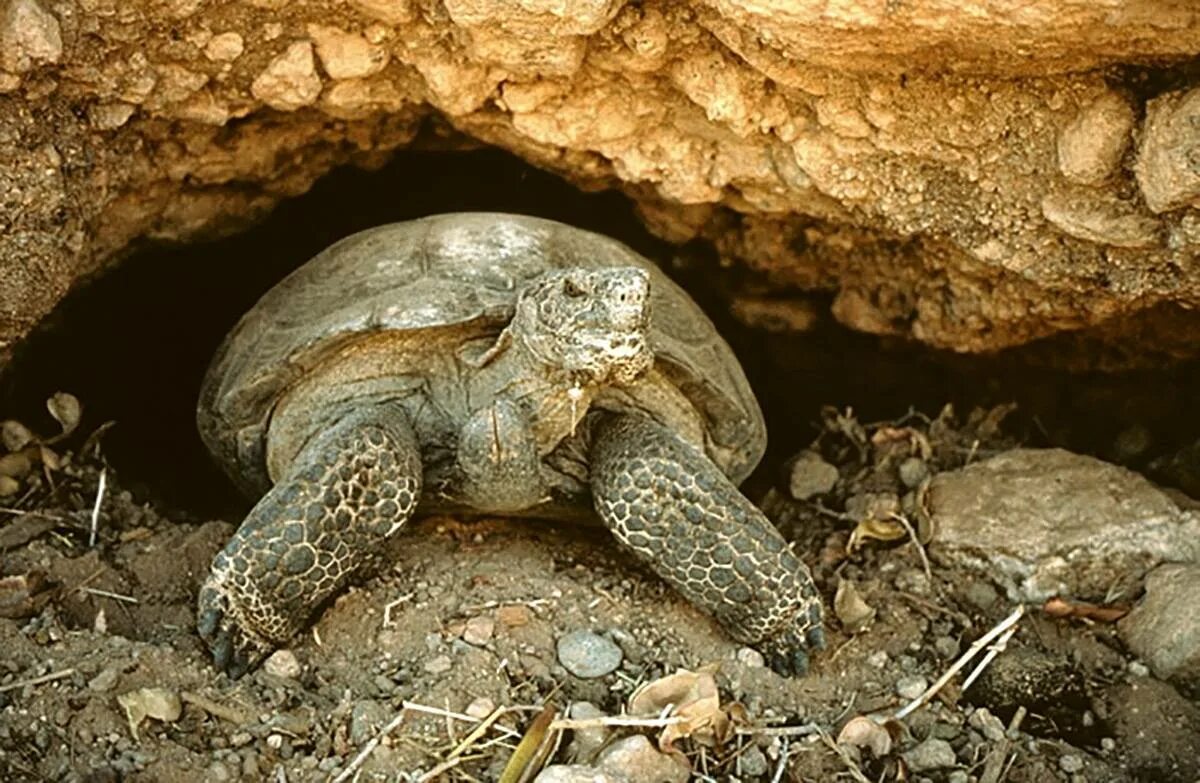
(676, 510)
(349, 490)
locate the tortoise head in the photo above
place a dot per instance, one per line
(592, 324)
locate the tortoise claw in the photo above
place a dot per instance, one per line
(235, 650)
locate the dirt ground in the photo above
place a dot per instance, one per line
(466, 624)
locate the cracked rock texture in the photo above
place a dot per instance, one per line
(972, 175)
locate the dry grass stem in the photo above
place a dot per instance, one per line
(96, 507)
(45, 678)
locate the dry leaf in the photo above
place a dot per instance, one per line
(15, 435)
(15, 466)
(158, 703)
(689, 695)
(1060, 607)
(851, 609)
(534, 749)
(66, 410)
(24, 595)
(875, 529)
(9, 486)
(863, 732)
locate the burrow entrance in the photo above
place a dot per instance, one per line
(134, 344)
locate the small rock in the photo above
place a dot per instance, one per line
(290, 81)
(811, 476)
(347, 55)
(514, 616)
(1139, 669)
(1046, 522)
(224, 47)
(911, 687)
(947, 647)
(754, 762)
(878, 659)
(479, 630)
(366, 718)
(283, 663)
(29, 35)
(480, 708)
(913, 471)
(987, 724)
(439, 665)
(958, 776)
(930, 754)
(588, 655)
(106, 680)
(1166, 162)
(1164, 628)
(573, 773)
(634, 758)
(750, 657)
(1096, 216)
(1090, 148)
(1071, 763)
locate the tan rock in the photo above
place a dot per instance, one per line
(29, 36)
(1090, 148)
(224, 47)
(347, 55)
(1167, 167)
(290, 81)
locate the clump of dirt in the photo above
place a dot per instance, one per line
(435, 669)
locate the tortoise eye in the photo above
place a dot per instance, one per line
(572, 289)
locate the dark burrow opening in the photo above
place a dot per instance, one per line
(134, 343)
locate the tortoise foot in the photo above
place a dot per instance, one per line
(236, 648)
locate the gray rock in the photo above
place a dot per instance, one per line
(366, 718)
(587, 655)
(911, 687)
(1165, 168)
(573, 773)
(106, 680)
(1164, 628)
(750, 657)
(1046, 522)
(1070, 763)
(931, 754)
(913, 471)
(585, 743)
(439, 665)
(283, 663)
(754, 762)
(987, 724)
(811, 476)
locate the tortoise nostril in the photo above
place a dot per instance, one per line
(572, 289)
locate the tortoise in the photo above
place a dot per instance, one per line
(488, 364)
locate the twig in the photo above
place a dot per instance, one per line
(106, 594)
(388, 607)
(994, 765)
(415, 707)
(908, 528)
(96, 507)
(851, 765)
(778, 731)
(976, 646)
(783, 760)
(993, 651)
(477, 732)
(371, 745)
(615, 720)
(45, 678)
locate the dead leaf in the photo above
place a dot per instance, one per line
(15, 435)
(1079, 610)
(24, 595)
(851, 609)
(863, 732)
(875, 529)
(24, 529)
(66, 410)
(158, 703)
(9, 486)
(684, 694)
(15, 466)
(533, 750)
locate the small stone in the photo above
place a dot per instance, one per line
(911, 687)
(811, 476)
(1096, 216)
(480, 708)
(290, 81)
(1071, 763)
(109, 115)
(106, 680)
(748, 656)
(987, 724)
(947, 647)
(588, 655)
(224, 47)
(574, 773)
(1108, 744)
(439, 665)
(1139, 669)
(585, 743)
(930, 754)
(878, 659)
(29, 35)
(366, 718)
(913, 471)
(1091, 146)
(347, 55)
(1170, 146)
(754, 762)
(218, 773)
(514, 616)
(634, 758)
(479, 630)
(283, 663)
(958, 776)
(274, 741)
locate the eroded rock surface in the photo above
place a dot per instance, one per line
(1046, 522)
(974, 177)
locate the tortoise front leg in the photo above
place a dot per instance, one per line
(349, 490)
(676, 510)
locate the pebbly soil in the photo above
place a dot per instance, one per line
(468, 619)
